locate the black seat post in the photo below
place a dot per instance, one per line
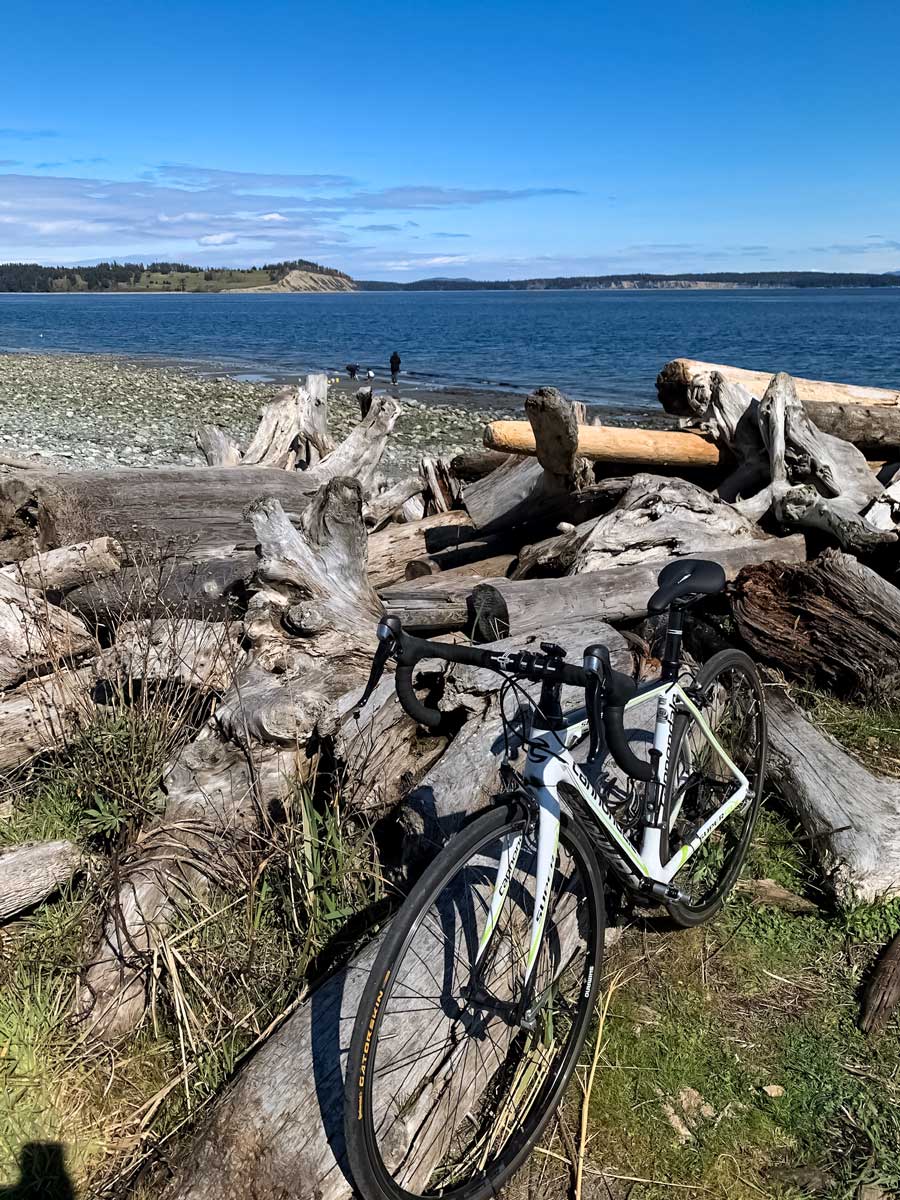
(671, 663)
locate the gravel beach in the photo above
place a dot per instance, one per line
(97, 411)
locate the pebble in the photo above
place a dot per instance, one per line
(93, 407)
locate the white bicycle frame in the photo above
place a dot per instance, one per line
(550, 763)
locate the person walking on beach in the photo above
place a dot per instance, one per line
(352, 370)
(395, 366)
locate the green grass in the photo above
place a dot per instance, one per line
(231, 964)
(703, 1021)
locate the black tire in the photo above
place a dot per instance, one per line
(399, 1028)
(731, 699)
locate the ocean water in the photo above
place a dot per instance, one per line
(602, 347)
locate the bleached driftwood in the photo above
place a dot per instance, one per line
(508, 607)
(200, 654)
(311, 631)
(390, 549)
(292, 432)
(31, 872)
(43, 713)
(852, 815)
(69, 566)
(35, 634)
(390, 501)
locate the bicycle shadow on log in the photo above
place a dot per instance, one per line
(42, 1174)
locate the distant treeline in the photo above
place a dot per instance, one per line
(115, 276)
(795, 279)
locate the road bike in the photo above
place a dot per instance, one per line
(485, 982)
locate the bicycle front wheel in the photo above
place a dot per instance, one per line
(456, 1065)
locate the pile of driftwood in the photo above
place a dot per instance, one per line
(259, 580)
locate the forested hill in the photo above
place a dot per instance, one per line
(639, 282)
(156, 277)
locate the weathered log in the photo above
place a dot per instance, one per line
(35, 634)
(31, 872)
(390, 549)
(311, 632)
(217, 447)
(436, 604)
(69, 566)
(174, 587)
(180, 510)
(851, 814)
(475, 464)
(358, 456)
(383, 505)
(882, 992)
(195, 513)
(832, 620)
(521, 487)
(611, 444)
(200, 654)
(442, 491)
(509, 607)
(683, 388)
(44, 713)
(493, 566)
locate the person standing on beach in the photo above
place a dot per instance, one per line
(395, 366)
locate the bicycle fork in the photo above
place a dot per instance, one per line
(545, 869)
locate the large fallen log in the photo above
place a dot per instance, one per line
(183, 511)
(172, 587)
(33, 871)
(523, 489)
(390, 549)
(852, 815)
(611, 444)
(683, 389)
(833, 621)
(510, 607)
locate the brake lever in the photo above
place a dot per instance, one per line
(597, 665)
(388, 632)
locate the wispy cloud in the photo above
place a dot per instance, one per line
(27, 135)
(441, 234)
(178, 209)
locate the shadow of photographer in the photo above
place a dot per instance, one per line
(42, 1174)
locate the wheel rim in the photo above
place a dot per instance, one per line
(732, 706)
(455, 1088)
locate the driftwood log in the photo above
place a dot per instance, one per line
(611, 444)
(310, 627)
(292, 432)
(181, 510)
(43, 713)
(31, 872)
(35, 634)
(509, 607)
(173, 587)
(833, 621)
(69, 566)
(390, 550)
(882, 991)
(866, 416)
(851, 814)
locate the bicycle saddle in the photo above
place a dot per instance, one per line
(686, 580)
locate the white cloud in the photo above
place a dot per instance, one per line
(273, 216)
(218, 239)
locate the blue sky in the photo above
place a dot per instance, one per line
(488, 140)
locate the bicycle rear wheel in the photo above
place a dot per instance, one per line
(448, 1087)
(699, 782)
